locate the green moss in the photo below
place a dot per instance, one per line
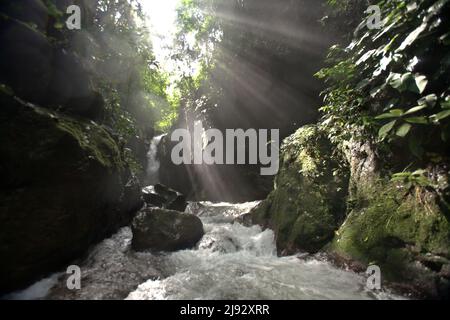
(95, 140)
(393, 228)
(307, 204)
(91, 137)
(63, 188)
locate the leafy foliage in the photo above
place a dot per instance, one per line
(394, 82)
(113, 45)
(408, 179)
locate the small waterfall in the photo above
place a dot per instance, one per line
(153, 162)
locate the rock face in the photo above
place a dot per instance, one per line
(357, 215)
(405, 230)
(164, 197)
(405, 233)
(165, 230)
(308, 202)
(64, 186)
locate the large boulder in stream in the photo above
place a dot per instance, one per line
(65, 185)
(308, 202)
(158, 229)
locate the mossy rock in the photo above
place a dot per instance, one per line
(308, 202)
(404, 231)
(65, 185)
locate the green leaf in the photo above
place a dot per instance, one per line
(394, 113)
(421, 83)
(412, 37)
(362, 84)
(397, 112)
(445, 39)
(375, 91)
(58, 25)
(415, 109)
(384, 130)
(401, 176)
(395, 80)
(442, 115)
(366, 56)
(385, 116)
(6, 90)
(418, 172)
(417, 120)
(408, 82)
(403, 130)
(446, 103)
(429, 100)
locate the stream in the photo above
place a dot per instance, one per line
(237, 262)
(231, 261)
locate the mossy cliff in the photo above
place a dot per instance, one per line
(308, 201)
(404, 231)
(357, 215)
(66, 178)
(65, 185)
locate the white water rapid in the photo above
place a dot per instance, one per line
(237, 262)
(230, 262)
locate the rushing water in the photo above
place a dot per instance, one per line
(230, 262)
(237, 262)
(153, 163)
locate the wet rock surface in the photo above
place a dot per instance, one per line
(307, 204)
(65, 185)
(357, 215)
(157, 230)
(164, 197)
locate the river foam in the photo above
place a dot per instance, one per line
(231, 262)
(237, 262)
